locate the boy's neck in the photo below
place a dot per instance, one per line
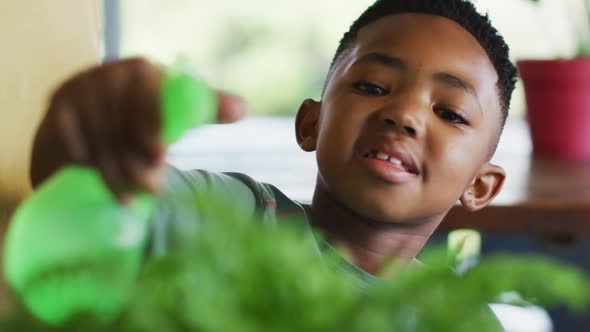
(370, 244)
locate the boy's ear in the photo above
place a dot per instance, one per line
(306, 124)
(484, 187)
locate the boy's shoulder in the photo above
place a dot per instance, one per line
(184, 196)
(235, 188)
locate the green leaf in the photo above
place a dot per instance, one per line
(242, 276)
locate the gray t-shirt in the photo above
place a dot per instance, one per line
(180, 207)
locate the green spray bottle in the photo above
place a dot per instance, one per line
(71, 250)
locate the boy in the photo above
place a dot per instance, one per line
(413, 106)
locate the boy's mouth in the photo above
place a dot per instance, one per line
(402, 162)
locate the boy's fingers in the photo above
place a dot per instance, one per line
(231, 108)
(111, 175)
(141, 132)
(71, 136)
(142, 174)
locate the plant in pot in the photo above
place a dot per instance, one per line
(558, 99)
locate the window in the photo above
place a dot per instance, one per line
(276, 53)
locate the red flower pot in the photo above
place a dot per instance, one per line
(558, 106)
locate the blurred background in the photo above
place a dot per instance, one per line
(276, 53)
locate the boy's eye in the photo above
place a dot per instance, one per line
(369, 89)
(450, 115)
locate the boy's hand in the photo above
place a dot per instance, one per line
(108, 117)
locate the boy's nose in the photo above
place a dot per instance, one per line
(408, 119)
(410, 130)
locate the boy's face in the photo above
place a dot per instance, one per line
(415, 89)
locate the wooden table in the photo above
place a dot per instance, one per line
(540, 196)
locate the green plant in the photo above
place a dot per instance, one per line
(243, 276)
(582, 32)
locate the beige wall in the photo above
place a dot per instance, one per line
(42, 42)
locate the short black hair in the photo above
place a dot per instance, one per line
(463, 12)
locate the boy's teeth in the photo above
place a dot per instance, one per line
(395, 161)
(382, 156)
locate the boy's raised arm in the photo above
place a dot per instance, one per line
(108, 117)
